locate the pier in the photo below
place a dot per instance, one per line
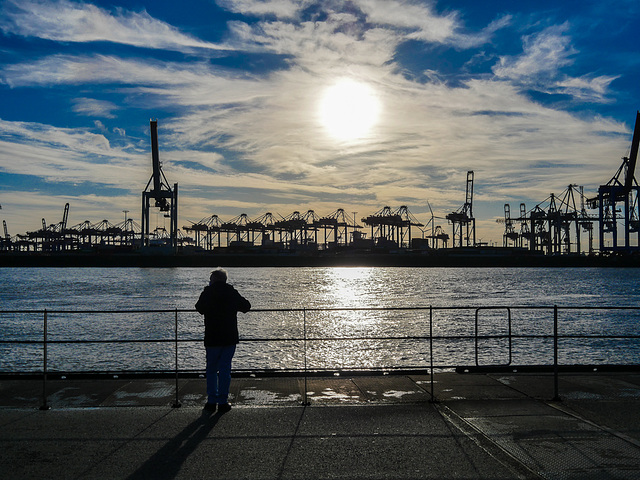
(482, 426)
(492, 418)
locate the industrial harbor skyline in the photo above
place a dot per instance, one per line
(286, 106)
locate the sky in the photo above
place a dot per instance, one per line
(283, 105)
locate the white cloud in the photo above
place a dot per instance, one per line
(278, 8)
(100, 126)
(67, 21)
(193, 83)
(337, 43)
(422, 23)
(543, 55)
(541, 63)
(420, 18)
(54, 137)
(91, 107)
(586, 88)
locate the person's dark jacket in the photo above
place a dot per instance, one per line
(220, 303)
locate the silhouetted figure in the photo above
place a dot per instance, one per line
(219, 303)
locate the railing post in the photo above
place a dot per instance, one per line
(431, 349)
(45, 405)
(305, 400)
(555, 353)
(177, 403)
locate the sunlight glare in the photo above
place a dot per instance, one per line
(349, 109)
(349, 285)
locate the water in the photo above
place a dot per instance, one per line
(264, 333)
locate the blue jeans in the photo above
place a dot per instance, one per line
(219, 373)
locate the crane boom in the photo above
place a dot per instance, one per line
(633, 155)
(65, 217)
(469, 196)
(155, 156)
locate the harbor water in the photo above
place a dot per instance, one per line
(351, 318)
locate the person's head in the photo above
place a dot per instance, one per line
(218, 275)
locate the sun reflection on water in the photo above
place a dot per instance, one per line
(349, 286)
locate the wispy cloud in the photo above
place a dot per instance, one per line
(421, 22)
(67, 21)
(277, 8)
(541, 62)
(588, 89)
(91, 107)
(544, 53)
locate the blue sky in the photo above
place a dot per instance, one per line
(532, 96)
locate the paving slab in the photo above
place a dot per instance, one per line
(381, 390)
(383, 441)
(334, 390)
(268, 391)
(498, 407)
(455, 379)
(66, 443)
(622, 417)
(142, 392)
(551, 444)
(245, 443)
(192, 392)
(20, 392)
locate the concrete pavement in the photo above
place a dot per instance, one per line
(491, 426)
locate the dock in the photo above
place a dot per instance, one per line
(477, 426)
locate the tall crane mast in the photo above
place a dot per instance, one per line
(463, 218)
(468, 204)
(166, 198)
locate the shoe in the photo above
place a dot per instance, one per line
(224, 408)
(210, 407)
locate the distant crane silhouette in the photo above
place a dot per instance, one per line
(166, 198)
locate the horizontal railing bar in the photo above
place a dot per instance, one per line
(334, 309)
(326, 339)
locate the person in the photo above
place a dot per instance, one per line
(220, 302)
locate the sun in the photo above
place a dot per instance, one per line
(349, 109)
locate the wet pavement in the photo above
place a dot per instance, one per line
(491, 426)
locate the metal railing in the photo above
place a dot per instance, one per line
(479, 339)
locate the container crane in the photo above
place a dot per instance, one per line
(166, 198)
(463, 219)
(389, 229)
(510, 235)
(620, 195)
